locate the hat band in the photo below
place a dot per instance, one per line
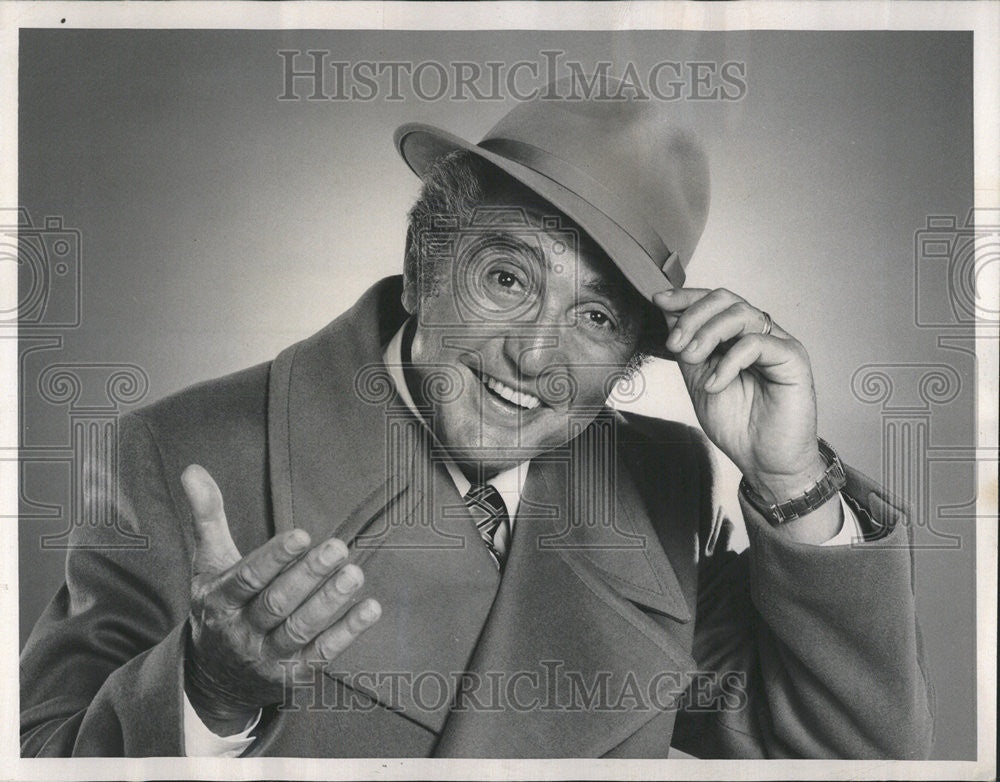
(572, 178)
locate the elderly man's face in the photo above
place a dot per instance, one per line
(531, 321)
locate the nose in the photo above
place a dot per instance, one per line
(533, 351)
(543, 345)
(542, 351)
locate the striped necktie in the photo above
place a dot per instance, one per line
(490, 514)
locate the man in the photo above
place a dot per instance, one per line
(422, 532)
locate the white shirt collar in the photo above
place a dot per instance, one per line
(509, 482)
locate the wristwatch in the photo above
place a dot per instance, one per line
(832, 481)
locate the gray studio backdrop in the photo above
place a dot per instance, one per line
(191, 224)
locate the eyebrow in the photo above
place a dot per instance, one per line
(608, 290)
(508, 236)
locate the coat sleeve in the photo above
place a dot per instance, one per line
(102, 671)
(824, 641)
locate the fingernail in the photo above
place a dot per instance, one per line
(691, 347)
(297, 540)
(710, 382)
(331, 552)
(194, 483)
(370, 612)
(675, 340)
(346, 581)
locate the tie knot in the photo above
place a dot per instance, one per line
(487, 506)
(490, 515)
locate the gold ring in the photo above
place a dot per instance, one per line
(768, 323)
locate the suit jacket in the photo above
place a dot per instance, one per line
(623, 622)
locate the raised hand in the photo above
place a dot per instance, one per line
(255, 619)
(752, 392)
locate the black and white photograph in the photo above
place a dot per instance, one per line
(499, 390)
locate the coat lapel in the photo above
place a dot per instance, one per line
(572, 664)
(436, 583)
(348, 459)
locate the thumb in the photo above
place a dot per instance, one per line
(214, 547)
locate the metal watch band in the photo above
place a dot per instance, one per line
(831, 482)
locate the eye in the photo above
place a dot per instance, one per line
(599, 319)
(505, 279)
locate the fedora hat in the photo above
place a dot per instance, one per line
(636, 183)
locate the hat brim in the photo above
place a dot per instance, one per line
(420, 145)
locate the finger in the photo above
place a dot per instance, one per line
(697, 314)
(214, 547)
(317, 613)
(676, 300)
(344, 632)
(284, 594)
(673, 302)
(770, 354)
(256, 570)
(737, 320)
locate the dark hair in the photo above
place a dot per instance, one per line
(455, 185)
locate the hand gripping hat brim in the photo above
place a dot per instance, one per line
(637, 184)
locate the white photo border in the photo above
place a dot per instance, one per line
(983, 18)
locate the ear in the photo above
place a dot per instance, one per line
(410, 296)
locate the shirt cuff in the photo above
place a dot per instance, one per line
(200, 741)
(850, 530)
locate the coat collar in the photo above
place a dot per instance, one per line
(346, 459)
(326, 418)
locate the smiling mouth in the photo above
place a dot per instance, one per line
(511, 396)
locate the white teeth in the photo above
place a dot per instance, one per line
(527, 401)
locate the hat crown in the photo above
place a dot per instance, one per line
(614, 163)
(629, 146)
